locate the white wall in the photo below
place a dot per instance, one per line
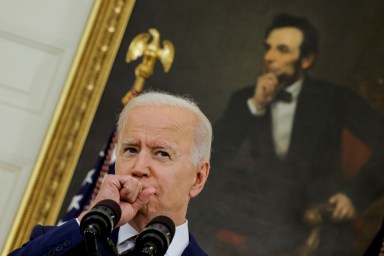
(38, 40)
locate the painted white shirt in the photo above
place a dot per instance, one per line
(283, 114)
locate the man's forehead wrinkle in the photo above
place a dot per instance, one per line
(157, 127)
(167, 133)
(151, 140)
(182, 127)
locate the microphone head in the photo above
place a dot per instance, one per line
(101, 219)
(163, 220)
(112, 207)
(154, 240)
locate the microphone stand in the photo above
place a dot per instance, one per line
(91, 241)
(98, 223)
(129, 252)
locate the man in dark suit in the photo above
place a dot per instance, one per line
(162, 161)
(279, 144)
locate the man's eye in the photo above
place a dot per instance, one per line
(162, 154)
(283, 49)
(130, 150)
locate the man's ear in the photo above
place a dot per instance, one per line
(307, 61)
(200, 179)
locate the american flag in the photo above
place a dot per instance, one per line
(105, 164)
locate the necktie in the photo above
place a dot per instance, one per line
(284, 96)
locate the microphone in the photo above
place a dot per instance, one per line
(98, 223)
(154, 240)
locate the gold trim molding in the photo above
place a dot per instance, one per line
(72, 119)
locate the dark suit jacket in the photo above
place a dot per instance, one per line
(259, 194)
(68, 240)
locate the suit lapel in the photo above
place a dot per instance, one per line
(193, 249)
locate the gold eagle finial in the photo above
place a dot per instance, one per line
(150, 51)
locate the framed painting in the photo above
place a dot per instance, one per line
(219, 49)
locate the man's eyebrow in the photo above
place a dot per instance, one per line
(155, 145)
(164, 146)
(130, 142)
(161, 145)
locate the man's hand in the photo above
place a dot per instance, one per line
(127, 192)
(344, 208)
(267, 87)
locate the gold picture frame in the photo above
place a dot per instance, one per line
(53, 170)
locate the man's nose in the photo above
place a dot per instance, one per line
(141, 165)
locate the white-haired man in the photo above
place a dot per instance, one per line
(163, 153)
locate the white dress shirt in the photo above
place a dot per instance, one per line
(179, 242)
(282, 118)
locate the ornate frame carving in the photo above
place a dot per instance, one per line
(72, 119)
